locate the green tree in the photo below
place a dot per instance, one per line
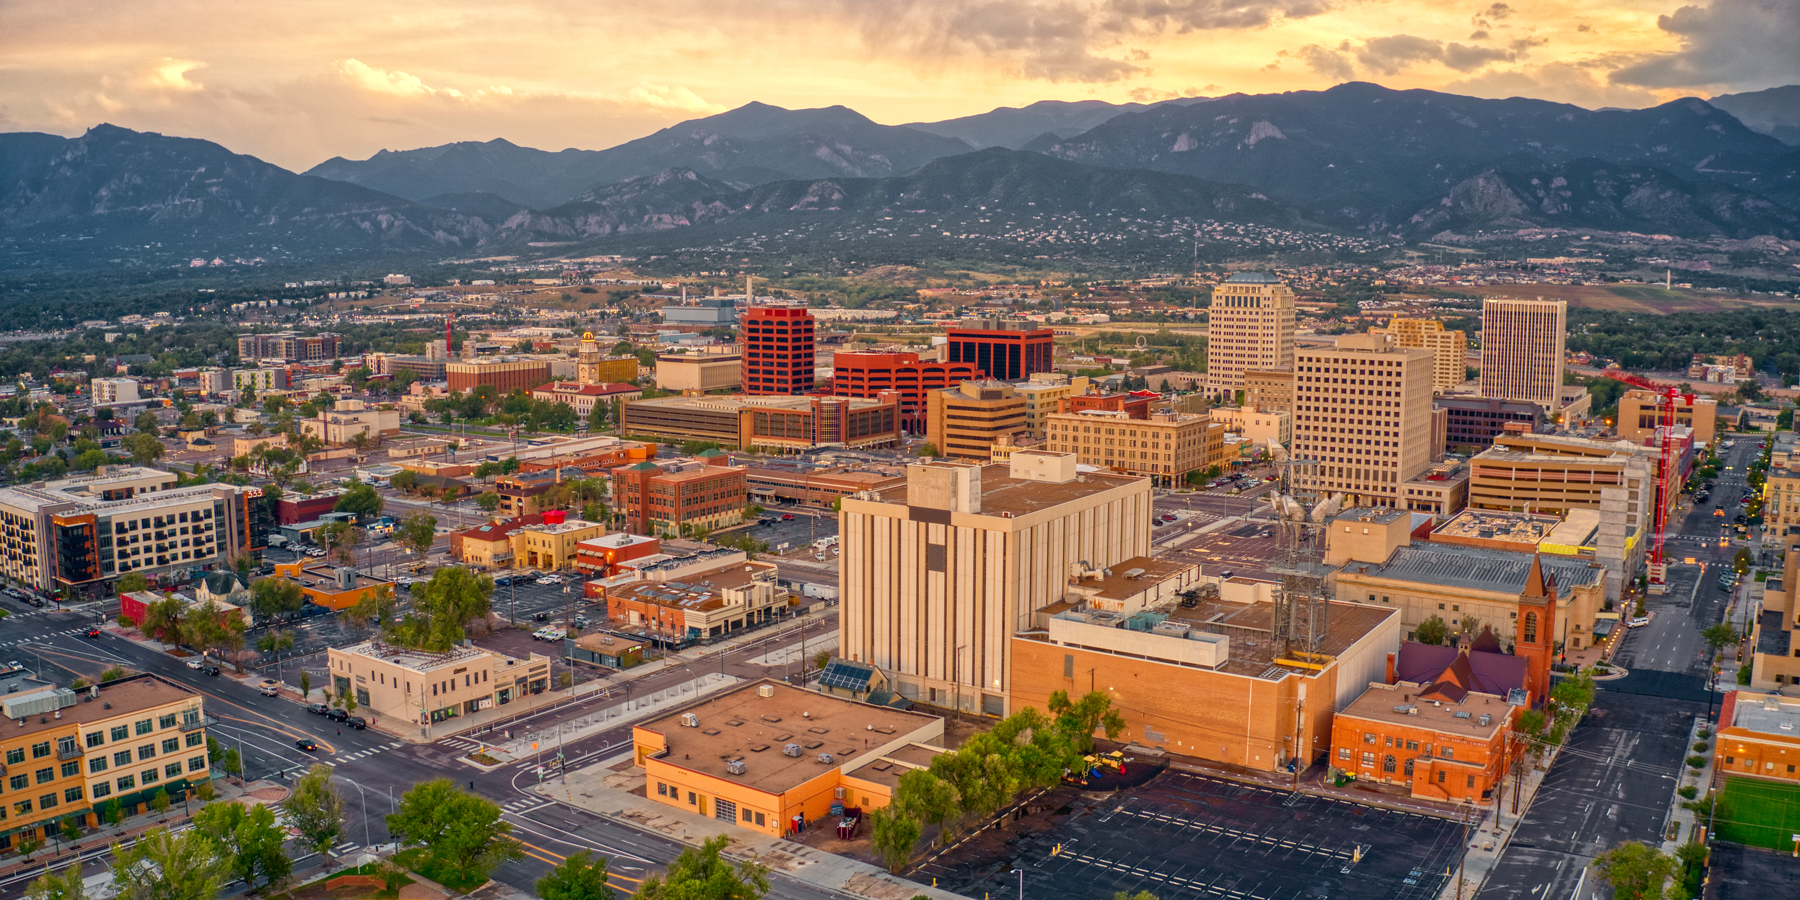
(404, 480)
(1079, 719)
(71, 828)
(928, 449)
(374, 607)
(417, 532)
(1719, 635)
(164, 866)
(315, 808)
(700, 873)
(164, 620)
(576, 878)
(53, 886)
(144, 447)
(276, 641)
(305, 687)
(362, 500)
(248, 840)
(1635, 871)
(132, 582)
(457, 829)
(1740, 563)
(1432, 631)
(442, 609)
(487, 501)
(274, 597)
(893, 833)
(926, 797)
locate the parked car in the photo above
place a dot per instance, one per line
(211, 670)
(582, 622)
(356, 722)
(541, 617)
(503, 581)
(317, 709)
(787, 517)
(269, 690)
(1638, 622)
(196, 663)
(336, 715)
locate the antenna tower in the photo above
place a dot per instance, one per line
(1301, 611)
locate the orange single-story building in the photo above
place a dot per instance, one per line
(333, 587)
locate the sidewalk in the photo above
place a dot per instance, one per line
(58, 853)
(1487, 842)
(610, 789)
(1681, 826)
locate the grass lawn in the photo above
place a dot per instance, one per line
(1761, 813)
(416, 860)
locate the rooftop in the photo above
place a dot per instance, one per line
(887, 768)
(1001, 493)
(127, 696)
(1767, 714)
(1480, 716)
(416, 660)
(1524, 529)
(1251, 278)
(1248, 628)
(563, 527)
(1375, 515)
(741, 724)
(735, 402)
(1478, 568)
(500, 530)
(617, 541)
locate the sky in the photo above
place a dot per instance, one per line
(300, 81)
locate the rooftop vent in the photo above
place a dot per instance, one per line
(689, 720)
(827, 758)
(1485, 719)
(792, 750)
(1461, 714)
(735, 766)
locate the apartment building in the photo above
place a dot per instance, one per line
(84, 532)
(1781, 501)
(289, 346)
(679, 496)
(1362, 418)
(425, 688)
(1639, 417)
(1522, 346)
(1002, 349)
(115, 391)
(964, 421)
(937, 576)
(778, 350)
(1449, 349)
(1269, 390)
(1162, 446)
(259, 380)
(1250, 326)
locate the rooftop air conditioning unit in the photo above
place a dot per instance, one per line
(734, 766)
(689, 720)
(792, 750)
(827, 758)
(766, 690)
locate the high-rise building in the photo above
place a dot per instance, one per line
(939, 575)
(1006, 349)
(1250, 325)
(1522, 344)
(1363, 418)
(964, 421)
(778, 350)
(1449, 349)
(1639, 417)
(870, 375)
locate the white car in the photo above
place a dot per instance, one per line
(196, 663)
(1639, 622)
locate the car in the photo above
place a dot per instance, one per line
(582, 622)
(196, 663)
(787, 517)
(307, 744)
(269, 690)
(317, 709)
(356, 722)
(211, 670)
(541, 617)
(336, 715)
(1638, 622)
(93, 631)
(503, 581)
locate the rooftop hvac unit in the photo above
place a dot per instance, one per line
(765, 690)
(792, 750)
(1461, 714)
(690, 720)
(1486, 719)
(827, 758)
(734, 766)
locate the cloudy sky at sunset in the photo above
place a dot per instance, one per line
(299, 81)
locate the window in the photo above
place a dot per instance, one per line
(1344, 753)
(196, 739)
(1471, 781)
(97, 764)
(1447, 752)
(1531, 622)
(172, 770)
(147, 751)
(102, 790)
(71, 768)
(96, 739)
(1441, 778)
(1368, 738)
(1387, 764)
(72, 795)
(23, 807)
(1368, 759)
(662, 790)
(166, 721)
(127, 782)
(121, 732)
(148, 776)
(45, 776)
(20, 782)
(122, 758)
(693, 799)
(48, 801)
(15, 756)
(145, 726)
(197, 764)
(40, 750)
(171, 745)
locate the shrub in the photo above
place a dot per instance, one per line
(1704, 732)
(1687, 791)
(1700, 746)
(1696, 762)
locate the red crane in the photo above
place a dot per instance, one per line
(1668, 399)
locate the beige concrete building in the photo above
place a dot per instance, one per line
(422, 688)
(1257, 427)
(1250, 325)
(1639, 417)
(1166, 446)
(699, 373)
(964, 421)
(1781, 501)
(1269, 390)
(936, 577)
(346, 419)
(1362, 412)
(1449, 349)
(550, 545)
(1774, 646)
(147, 735)
(1522, 344)
(1042, 394)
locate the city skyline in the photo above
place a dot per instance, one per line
(280, 83)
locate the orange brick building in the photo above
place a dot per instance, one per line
(1442, 741)
(1761, 737)
(869, 375)
(705, 492)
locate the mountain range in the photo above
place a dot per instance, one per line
(1354, 158)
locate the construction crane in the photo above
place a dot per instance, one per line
(1668, 399)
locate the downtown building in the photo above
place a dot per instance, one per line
(1363, 419)
(83, 533)
(289, 346)
(1522, 344)
(1002, 349)
(1449, 349)
(870, 375)
(778, 350)
(1250, 326)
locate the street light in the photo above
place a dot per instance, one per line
(365, 805)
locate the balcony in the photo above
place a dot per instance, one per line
(69, 751)
(195, 723)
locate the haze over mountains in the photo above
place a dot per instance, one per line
(1357, 158)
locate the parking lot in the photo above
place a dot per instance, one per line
(1184, 835)
(798, 533)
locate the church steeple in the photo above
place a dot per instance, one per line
(1535, 640)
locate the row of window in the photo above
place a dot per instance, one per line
(46, 801)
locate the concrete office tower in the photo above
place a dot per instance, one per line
(1250, 325)
(1449, 349)
(1522, 350)
(1362, 412)
(937, 576)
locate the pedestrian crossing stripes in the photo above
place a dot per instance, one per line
(525, 805)
(64, 633)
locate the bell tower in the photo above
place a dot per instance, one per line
(1535, 639)
(587, 360)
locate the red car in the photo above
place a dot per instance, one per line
(93, 631)
(789, 517)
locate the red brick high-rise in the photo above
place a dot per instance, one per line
(778, 350)
(869, 375)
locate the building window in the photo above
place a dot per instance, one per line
(1368, 738)
(145, 726)
(196, 739)
(693, 799)
(1344, 753)
(15, 756)
(147, 751)
(102, 789)
(172, 770)
(39, 751)
(1387, 764)
(148, 776)
(71, 768)
(121, 732)
(96, 739)
(196, 764)
(171, 745)
(1531, 623)
(97, 764)
(45, 776)
(72, 795)
(127, 782)
(167, 721)
(20, 782)
(1447, 752)
(122, 758)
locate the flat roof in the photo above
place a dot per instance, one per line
(1133, 577)
(741, 724)
(887, 768)
(1478, 568)
(1525, 529)
(1767, 714)
(1399, 704)
(1002, 493)
(734, 402)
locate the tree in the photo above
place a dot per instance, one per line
(487, 501)
(54, 886)
(928, 449)
(404, 480)
(1635, 871)
(926, 797)
(894, 833)
(1740, 563)
(316, 809)
(305, 687)
(276, 641)
(1077, 720)
(1719, 635)
(231, 762)
(132, 582)
(458, 830)
(248, 840)
(339, 539)
(164, 866)
(1432, 631)
(442, 609)
(700, 873)
(163, 620)
(417, 532)
(576, 879)
(144, 447)
(362, 500)
(374, 606)
(274, 597)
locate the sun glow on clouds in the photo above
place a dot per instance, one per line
(171, 75)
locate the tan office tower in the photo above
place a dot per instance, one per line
(1250, 325)
(937, 576)
(1449, 349)
(1362, 413)
(1522, 350)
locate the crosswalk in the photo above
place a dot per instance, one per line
(525, 805)
(297, 771)
(64, 633)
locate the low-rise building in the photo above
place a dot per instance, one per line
(768, 756)
(333, 587)
(1261, 429)
(550, 544)
(678, 497)
(1444, 740)
(502, 373)
(584, 397)
(490, 544)
(1472, 423)
(1759, 737)
(340, 425)
(135, 604)
(524, 493)
(602, 557)
(1164, 446)
(1781, 500)
(771, 422)
(424, 688)
(1044, 394)
(699, 372)
(793, 481)
(708, 603)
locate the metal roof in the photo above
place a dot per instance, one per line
(1474, 567)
